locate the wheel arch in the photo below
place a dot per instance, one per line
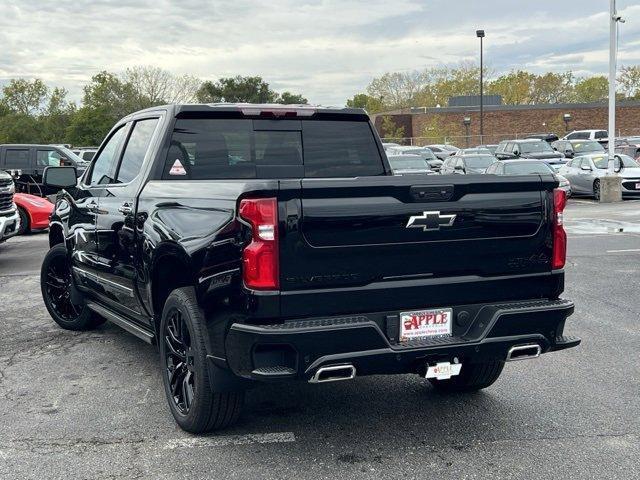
(56, 234)
(171, 268)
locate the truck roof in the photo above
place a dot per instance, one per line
(255, 108)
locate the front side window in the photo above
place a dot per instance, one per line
(48, 158)
(104, 165)
(136, 149)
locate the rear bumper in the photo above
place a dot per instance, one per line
(9, 225)
(297, 349)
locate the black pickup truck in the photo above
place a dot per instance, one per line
(262, 243)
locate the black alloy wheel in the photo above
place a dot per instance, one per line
(58, 289)
(56, 284)
(179, 363)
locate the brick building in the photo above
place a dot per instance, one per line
(508, 121)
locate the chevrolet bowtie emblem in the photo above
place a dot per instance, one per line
(430, 221)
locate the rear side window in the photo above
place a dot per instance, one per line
(203, 149)
(17, 158)
(601, 134)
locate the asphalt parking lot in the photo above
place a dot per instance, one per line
(91, 405)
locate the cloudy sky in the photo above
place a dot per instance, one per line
(327, 50)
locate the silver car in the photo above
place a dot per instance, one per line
(409, 165)
(425, 153)
(584, 174)
(528, 167)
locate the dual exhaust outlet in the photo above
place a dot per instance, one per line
(524, 352)
(336, 373)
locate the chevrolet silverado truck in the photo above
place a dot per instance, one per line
(9, 216)
(263, 243)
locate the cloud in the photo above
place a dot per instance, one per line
(325, 49)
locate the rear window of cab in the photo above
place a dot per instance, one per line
(214, 148)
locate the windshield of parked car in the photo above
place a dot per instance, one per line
(481, 161)
(406, 162)
(535, 147)
(423, 152)
(527, 168)
(482, 151)
(70, 155)
(589, 146)
(602, 161)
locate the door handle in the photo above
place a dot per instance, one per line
(92, 207)
(125, 208)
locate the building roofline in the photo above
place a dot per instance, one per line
(503, 108)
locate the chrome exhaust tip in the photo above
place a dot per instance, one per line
(524, 352)
(334, 373)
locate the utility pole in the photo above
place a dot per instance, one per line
(613, 25)
(480, 35)
(610, 184)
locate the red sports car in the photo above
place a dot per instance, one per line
(34, 212)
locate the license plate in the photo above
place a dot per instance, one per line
(422, 324)
(444, 370)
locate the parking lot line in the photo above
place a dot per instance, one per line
(624, 250)
(225, 440)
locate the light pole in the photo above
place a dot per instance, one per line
(467, 122)
(480, 35)
(567, 118)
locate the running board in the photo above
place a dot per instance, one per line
(122, 322)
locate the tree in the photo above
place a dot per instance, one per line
(291, 99)
(390, 129)
(155, 86)
(592, 89)
(629, 79)
(236, 89)
(56, 116)
(396, 90)
(369, 103)
(515, 87)
(553, 88)
(26, 97)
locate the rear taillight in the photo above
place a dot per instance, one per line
(559, 235)
(260, 257)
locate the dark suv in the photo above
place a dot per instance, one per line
(262, 243)
(531, 148)
(27, 163)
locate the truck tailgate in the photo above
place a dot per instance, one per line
(352, 234)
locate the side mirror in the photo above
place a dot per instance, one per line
(568, 153)
(516, 153)
(60, 177)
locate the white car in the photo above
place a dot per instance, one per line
(598, 135)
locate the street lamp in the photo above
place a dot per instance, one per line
(467, 122)
(480, 35)
(567, 118)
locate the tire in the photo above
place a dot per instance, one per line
(596, 189)
(55, 285)
(195, 407)
(24, 222)
(473, 377)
